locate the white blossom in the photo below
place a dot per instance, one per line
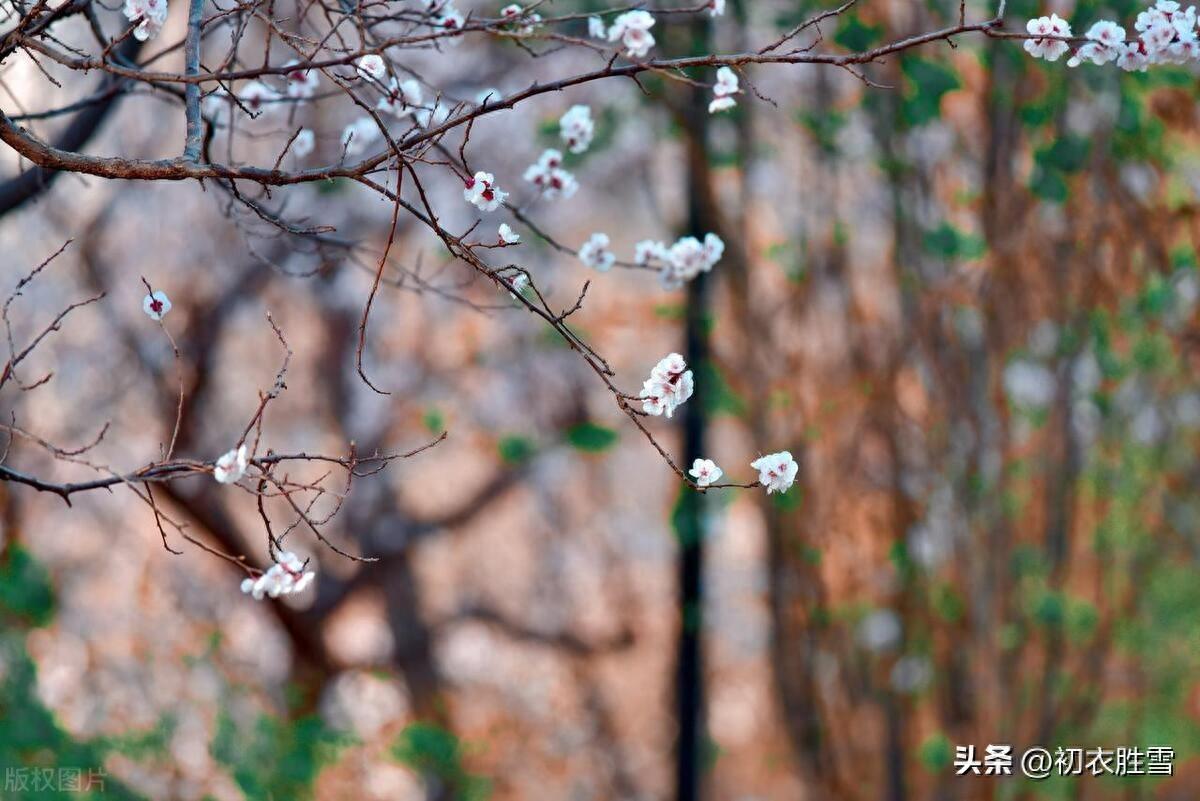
(716, 8)
(285, 577)
(596, 28)
(359, 135)
(1047, 48)
(706, 472)
(402, 98)
(595, 253)
(372, 66)
(482, 192)
(445, 14)
(526, 23)
(689, 257)
(231, 466)
(718, 104)
(776, 471)
(150, 15)
(304, 143)
(518, 284)
(1106, 39)
(156, 304)
(633, 30)
(507, 235)
(727, 86)
(577, 128)
(648, 251)
(256, 95)
(670, 385)
(301, 84)
(1131, 58)
(550, 178)
(427, 117)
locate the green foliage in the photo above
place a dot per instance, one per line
(719, 398)
(953, 245)
(856, 36)
(279, 757)
(434, 421)
(824, 125)
(591, 437)
(936, 753)
(25, 591)
(33, 745)
(515, 449)
(928, 82)
(438, 755)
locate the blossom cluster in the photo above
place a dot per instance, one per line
(577, 128)
(231, 466)
(682, 261)
(285, 577)
(631, 29)
(776, 471)
(548, 175)
(669, 386)
(1166, 35)
(525, 23)
(481, 191)
(727, 86)
(150, 16)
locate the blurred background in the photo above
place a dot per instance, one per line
(964, 301)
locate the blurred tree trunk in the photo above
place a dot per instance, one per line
(690, 522)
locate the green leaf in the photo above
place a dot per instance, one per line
(856, 36)
(516, 449)
(936, 753)
(591, 437)
(433, 751)
(951, 244)
(433, 421)
(25, 590)
(928, 82)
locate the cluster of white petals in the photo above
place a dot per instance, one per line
(1045, 29)
(150, 15)
(550, 178)
(727, 86)
(1166, 35)
(706, 472)
(683, 261)
(301, 84)
(595, 253)
(285, 577)
(372, 67)
(156, 304)
(256, 96)
(525, 23)
(231, 466)
(632, 29)
(716, 7)
(517, 284)
(445, 15)
(577, 128)
(776, 471)
(481, 191)
(507, 235)
(360, 135)
(402, 98)
(304, 143)
(670, 384)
